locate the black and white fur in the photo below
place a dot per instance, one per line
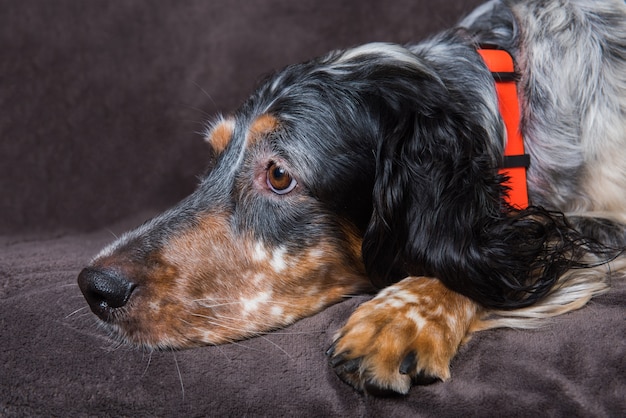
(429, 115)
(400, 146)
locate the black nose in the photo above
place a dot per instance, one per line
(104, 290)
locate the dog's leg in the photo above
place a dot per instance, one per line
(407, 334)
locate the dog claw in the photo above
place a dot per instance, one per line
(331, 350)
(375, 390)
(337, 360)
(352, 366)
(409, 363)
(422, 379)
(344, 364)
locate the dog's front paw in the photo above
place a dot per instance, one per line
(406, 335)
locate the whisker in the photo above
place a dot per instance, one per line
(239, 344)
(212, 322)
(277, 346)
(206, 93)
(229, 301)
(180, 376)
(256, 334)
(229, 340)
(203, 113)
(229, 318)
(76, 311)
(68, 285)
(221, 350)
(147, 365)
(270, 325)
(217, 304)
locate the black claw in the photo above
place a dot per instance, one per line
(331, 349)
(337, 360)
(344, 364)
(352, 366)
(409, 363)
(372, 389)
(424, 379)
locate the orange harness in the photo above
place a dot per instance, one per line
(516, 161)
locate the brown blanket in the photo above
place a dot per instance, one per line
(54, 360)
(99, 105)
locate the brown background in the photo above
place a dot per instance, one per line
(101, 103)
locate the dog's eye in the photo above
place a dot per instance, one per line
(279, 180)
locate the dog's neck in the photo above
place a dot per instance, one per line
(516, 161)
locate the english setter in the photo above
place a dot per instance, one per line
(378, 167)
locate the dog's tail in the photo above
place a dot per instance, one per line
(577, 286)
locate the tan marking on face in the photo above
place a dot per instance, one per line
(221, 134)
(209, 285)
(261, 126)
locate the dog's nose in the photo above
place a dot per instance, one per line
(104, 290)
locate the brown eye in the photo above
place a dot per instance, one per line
(279, 180)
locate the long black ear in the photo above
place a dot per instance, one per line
(439, 211)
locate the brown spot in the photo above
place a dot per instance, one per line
(262, 126)
(221, 134)
(211, 285)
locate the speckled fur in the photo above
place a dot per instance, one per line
(379, 164)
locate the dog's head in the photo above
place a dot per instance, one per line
(366, 164)
(273, 231)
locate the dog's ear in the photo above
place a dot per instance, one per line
(439, 210)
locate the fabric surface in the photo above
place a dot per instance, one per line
(101, 103)
(55, 361)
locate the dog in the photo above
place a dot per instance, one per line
(379, 168)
